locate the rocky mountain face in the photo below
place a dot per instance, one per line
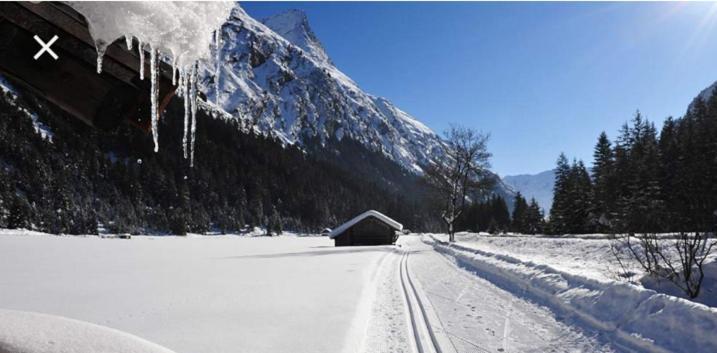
(538, 186)
(276, 75)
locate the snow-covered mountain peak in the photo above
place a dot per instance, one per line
(276, 76)
(293, 25)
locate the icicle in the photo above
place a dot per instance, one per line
(174, 70)
(217, 48)
(184, 81)
(128, 40)
(141, 60)
(154, 76)
(101, 47)
(193, 102)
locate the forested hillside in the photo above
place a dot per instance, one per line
(80, 177)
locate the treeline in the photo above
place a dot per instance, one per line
(87, 178)
(644, 181)
(493, 216)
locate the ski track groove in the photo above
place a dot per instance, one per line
(412, 299)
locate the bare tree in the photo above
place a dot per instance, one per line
(679, 259)
(462, 173)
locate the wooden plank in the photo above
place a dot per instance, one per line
(74, 23)
(71, 82)
(118, 61)
(72, 45)
(59, 81)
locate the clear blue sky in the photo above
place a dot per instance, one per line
(541, 78)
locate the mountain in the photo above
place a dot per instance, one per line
(293, 25)
(538, 186)
(276, 75)
(705, 95)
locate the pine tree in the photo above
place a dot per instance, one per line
(519, 223)
(579, 199)
(640, 204)
(19, 214)
(603, 171)
(670, 165)
(561, 198)
(275, 225)
(535, 222)
(500, 215)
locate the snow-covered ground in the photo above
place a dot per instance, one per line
(209, 294)
(588, 256)
(302, 294)
(478, 316)
(630, 316)
(27, 332)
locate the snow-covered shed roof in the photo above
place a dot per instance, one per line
(370, 213)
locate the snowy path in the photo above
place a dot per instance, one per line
(209, 294)
(480, 317)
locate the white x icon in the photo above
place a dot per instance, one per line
(45, 47)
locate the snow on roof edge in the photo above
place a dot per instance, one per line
(370, 213)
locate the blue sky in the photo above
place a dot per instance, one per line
(541, 78)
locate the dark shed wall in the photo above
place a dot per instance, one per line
(369, 231)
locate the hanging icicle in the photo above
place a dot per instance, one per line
(193, 102)
(184, 82)
(101, 47)
(154, 77)
(141, 59)
(174, 70)
(186, 28)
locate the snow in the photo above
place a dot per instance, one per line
(585, 255)
(199, 293)
(479, 316)
(277, 74)
(370, 213)
(632, 316)
(293, 25)
(27, 332)
(40, 127)
(183, 29)
(228, 293)
(387, 328)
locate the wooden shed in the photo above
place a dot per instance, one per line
(71, 81)
(369, 228)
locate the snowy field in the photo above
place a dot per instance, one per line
(302, 294)
(208, 294)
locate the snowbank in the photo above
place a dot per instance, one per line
(633, 317)
(26, 332)
(588, 257)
